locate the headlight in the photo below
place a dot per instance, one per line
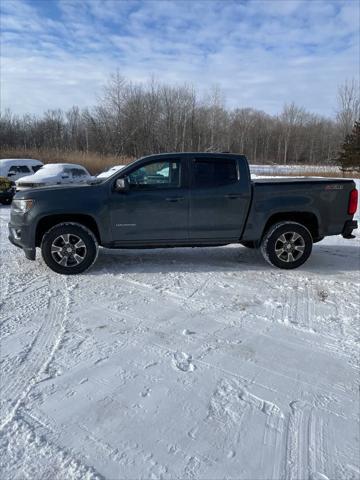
(22, 206)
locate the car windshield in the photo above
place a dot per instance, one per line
(52, 168)
(110, 171)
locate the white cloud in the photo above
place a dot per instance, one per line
(262, 53)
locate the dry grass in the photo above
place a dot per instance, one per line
(95, 163)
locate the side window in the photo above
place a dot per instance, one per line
(209, 172)
(13, 170)
(156, 175)
(77, 172)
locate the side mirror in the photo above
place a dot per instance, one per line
(122, 185)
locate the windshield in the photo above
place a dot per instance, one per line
(52, 168)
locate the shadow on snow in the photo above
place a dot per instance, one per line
(324, 259)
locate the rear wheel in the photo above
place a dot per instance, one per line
(287, 245)
(69, 248)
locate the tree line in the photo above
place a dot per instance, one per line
(137, 119)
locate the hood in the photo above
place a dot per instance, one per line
(36, 179)
(62, 189)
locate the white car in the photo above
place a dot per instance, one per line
(54, 174)
(110, 171)
(15, 168)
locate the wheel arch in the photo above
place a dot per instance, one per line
(50, 221)
(308, 219)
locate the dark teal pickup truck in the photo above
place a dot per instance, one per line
(177, 200)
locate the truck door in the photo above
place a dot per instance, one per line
(156, 206)
(219, 198)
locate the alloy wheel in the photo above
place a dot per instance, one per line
(289, 247)
(68, 250)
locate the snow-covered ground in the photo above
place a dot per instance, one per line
(181, 364)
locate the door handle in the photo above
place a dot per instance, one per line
(233, 196)
(174, 199)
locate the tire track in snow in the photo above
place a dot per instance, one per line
(273, 437)
(33, 443)
(17, 290)
(306, 455)
(37, 358)
(298, 307)
(21, 303)
(22, 316)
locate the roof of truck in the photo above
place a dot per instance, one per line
(195, 154)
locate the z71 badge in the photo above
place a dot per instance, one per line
(334, 187)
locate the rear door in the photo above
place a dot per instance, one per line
(155, 209)
(219, 198)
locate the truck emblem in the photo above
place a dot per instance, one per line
(334, 187)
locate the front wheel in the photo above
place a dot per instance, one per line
(69, 248)
(287, 245)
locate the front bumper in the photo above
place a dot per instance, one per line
(349, 226)
(18, 236)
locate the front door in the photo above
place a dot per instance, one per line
(155, 208)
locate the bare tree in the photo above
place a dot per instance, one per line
(291, 117)
(348, 106)
(135, 119)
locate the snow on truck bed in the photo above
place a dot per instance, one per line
(181, 363)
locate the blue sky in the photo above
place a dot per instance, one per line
(262, 53)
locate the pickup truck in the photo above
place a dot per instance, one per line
(178, 200)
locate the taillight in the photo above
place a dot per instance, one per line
(353, 202)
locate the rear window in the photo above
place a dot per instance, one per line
(214, 172)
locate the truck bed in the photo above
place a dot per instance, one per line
(326, 198)
(290, 180)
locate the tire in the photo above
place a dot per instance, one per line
(249, 245)
(69, 248)
(287, 245)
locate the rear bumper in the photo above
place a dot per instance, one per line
(349, 226)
